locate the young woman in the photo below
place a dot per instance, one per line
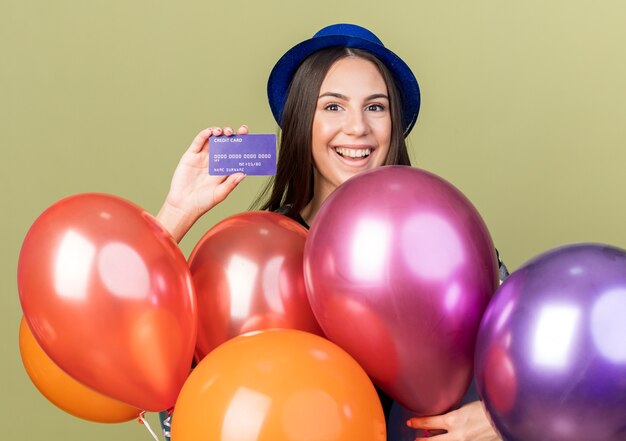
(345, 104)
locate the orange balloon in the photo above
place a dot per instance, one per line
(248, 275)
(65, 392)
(278, 385)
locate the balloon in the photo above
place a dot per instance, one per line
(108, 296)
(407, 250)
(551, 351)
(278, 385)
(248, 275)
(65, 392)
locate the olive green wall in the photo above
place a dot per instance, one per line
(522, 110)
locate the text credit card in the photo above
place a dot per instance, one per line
(253, 154)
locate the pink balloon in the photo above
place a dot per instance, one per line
(401, 254)
(108, 296)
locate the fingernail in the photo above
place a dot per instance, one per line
(244, 126)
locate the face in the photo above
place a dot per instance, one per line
(351, 125)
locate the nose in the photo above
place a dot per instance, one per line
(356, 123)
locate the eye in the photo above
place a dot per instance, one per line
(375, 108)
(332, 107)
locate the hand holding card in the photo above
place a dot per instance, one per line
(193, 191)
(250, 154)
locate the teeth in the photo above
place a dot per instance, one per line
(353, 153)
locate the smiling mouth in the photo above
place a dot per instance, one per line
(353, 153)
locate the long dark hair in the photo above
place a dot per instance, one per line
(292, 187)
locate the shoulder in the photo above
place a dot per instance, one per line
(283, 209)
(287, 210)
(503, 271)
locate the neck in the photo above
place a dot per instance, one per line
(310, 210)
(320, 193)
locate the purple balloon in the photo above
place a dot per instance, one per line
(551, 351)
(399, 268)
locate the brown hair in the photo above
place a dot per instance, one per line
(292, 187)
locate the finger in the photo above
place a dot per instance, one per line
(428, 423)
(228, 131)
(217, 131)
(223, 190)
(439, 435)
(243, 130)
(200, 140)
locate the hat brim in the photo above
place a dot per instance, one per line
(285, 68)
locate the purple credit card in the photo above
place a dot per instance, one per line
(249, 154)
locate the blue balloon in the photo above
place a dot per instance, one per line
(551, 351)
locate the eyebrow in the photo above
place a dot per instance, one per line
(344, 97)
